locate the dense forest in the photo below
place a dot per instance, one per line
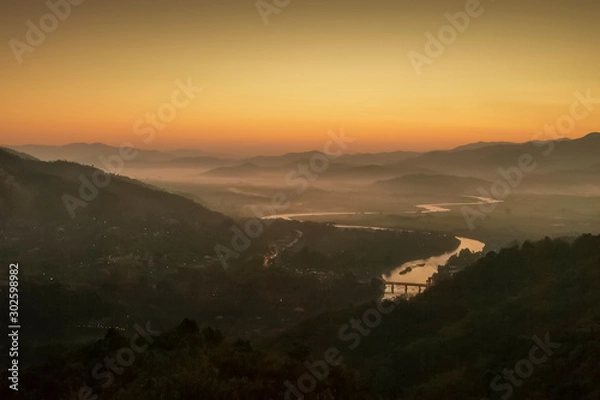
(520, 323)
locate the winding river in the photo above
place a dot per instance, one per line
(421, 270)
(443, 207)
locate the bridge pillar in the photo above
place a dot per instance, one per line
(405, 288)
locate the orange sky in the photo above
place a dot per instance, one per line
(315, 67)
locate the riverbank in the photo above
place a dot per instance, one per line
(419, 270)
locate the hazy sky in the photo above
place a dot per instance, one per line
(317, 65)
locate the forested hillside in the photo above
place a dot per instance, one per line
(534, 309)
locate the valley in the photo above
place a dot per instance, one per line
(247, 255)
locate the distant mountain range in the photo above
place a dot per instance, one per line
(92, 154)
(478, 145)
(477, 160)
(89, 152)
(85, 153)
(484, 161)
(244, 170)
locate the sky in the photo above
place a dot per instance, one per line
(316, 66)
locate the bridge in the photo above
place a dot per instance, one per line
(392, 285)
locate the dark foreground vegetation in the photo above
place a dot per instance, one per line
(459, 340)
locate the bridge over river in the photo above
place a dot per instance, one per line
(421, 271)
(406, 285)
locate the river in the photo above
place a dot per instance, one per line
(443, 207)
(424, 269)
(421, 270)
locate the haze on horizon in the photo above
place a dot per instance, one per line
(253, 152)
(277, 88)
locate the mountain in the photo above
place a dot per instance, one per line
(88, 153)
(283, 160)
(377, 158)
(437, 183)
(350, 159)
(54, 205)
(370, 172)
(477, 159)
(582, 182)
(478, 145)
(520, 323)
(191, 153)
(19, 154)
(53, 179)
(94, 153)
(484, 162)
(536, 305)
(245, 170)
(194, 162)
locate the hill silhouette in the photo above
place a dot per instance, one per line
(35, 189)
(452, 342)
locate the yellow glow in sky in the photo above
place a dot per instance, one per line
(314, 67)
